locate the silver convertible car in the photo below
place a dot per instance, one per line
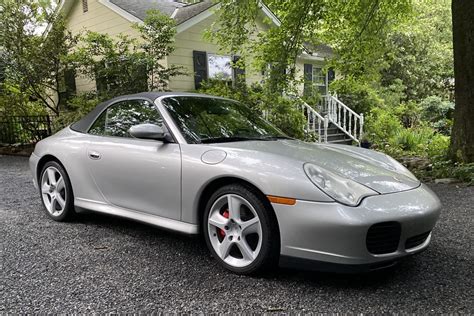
(196, 164)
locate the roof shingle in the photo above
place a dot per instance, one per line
(138, 8)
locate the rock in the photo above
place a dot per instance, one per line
(446, 181)
(416, 162)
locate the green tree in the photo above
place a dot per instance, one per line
(35, 61)
(123, 64)
(353, 28)
(419, 52)
(462, 138)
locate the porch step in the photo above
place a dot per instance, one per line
(344, 141)
(336, 136)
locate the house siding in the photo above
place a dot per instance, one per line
(101, 19)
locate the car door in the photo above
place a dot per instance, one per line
(136, 174)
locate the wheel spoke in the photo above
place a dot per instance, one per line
(60, 184)
(51, 176)
(45, 188)
(245, 249)
(250, 226)
(234, 204)
(53, 203)
(224, 248)
(218, 221)
(60, 201)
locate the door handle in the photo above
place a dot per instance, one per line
(94, 155)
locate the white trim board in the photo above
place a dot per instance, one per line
(196, 19)
(120, 11)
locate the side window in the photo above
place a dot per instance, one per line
(117, 119)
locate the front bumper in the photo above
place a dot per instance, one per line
(332, 233)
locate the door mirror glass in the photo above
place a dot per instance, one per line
(147, 131)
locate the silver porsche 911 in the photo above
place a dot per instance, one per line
(194, 163)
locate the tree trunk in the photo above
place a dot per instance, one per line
(462, 137)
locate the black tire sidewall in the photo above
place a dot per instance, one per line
(269, 251)
(68, 212)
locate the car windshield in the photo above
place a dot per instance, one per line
(213, 120)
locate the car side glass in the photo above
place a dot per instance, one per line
(98, 128)
(117, 119)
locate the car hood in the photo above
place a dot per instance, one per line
(372, 169)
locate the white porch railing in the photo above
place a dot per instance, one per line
(348, 121)
(315, 122)
(335, 112)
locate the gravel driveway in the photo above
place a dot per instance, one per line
(106, 264)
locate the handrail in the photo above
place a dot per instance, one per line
(314, 118)
(344, 118)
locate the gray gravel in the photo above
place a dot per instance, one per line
(106, 264)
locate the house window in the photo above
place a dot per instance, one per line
(219, 67)
(85, 6)
(319, 77)
(316, 80)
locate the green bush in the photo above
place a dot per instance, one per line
(380, 126)
(438, 147)
(438, 112)
(409, 114)
(413, 140)
(76, 109)
(361, 97)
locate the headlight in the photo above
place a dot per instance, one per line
(343, 190)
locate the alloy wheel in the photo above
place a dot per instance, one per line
(53, 191)
(235, 230)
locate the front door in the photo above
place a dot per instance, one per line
(136, 174)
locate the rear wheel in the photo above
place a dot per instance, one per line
(240, 230)
(56, 192)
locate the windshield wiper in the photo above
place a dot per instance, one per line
(231, 139)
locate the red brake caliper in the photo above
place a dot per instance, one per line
(221, 232)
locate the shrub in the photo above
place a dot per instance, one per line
(438, 147)
(360, 96)
(413, 140)
(76, 108)
(409, 114)
(381, 125)
(438, 112)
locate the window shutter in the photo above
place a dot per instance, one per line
(70, 82)
(331, 75)
(85, 6)
(200, 68)
(308, 79)
(238, 73)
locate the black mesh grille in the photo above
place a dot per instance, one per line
(383, 237)
(417, 240)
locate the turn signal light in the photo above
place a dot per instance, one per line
(281, 200)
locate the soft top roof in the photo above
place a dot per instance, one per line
(86, 122)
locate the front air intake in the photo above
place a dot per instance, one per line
(417, 240)
(383, 237)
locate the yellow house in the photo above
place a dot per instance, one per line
(201, 58)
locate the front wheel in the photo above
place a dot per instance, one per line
(240, 230)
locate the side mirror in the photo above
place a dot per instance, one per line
(149, 131)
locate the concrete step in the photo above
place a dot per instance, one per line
(341, 141)
(337, 136)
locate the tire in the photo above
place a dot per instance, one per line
(56, 195)
(244, 242)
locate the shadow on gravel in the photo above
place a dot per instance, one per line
(194, 248)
